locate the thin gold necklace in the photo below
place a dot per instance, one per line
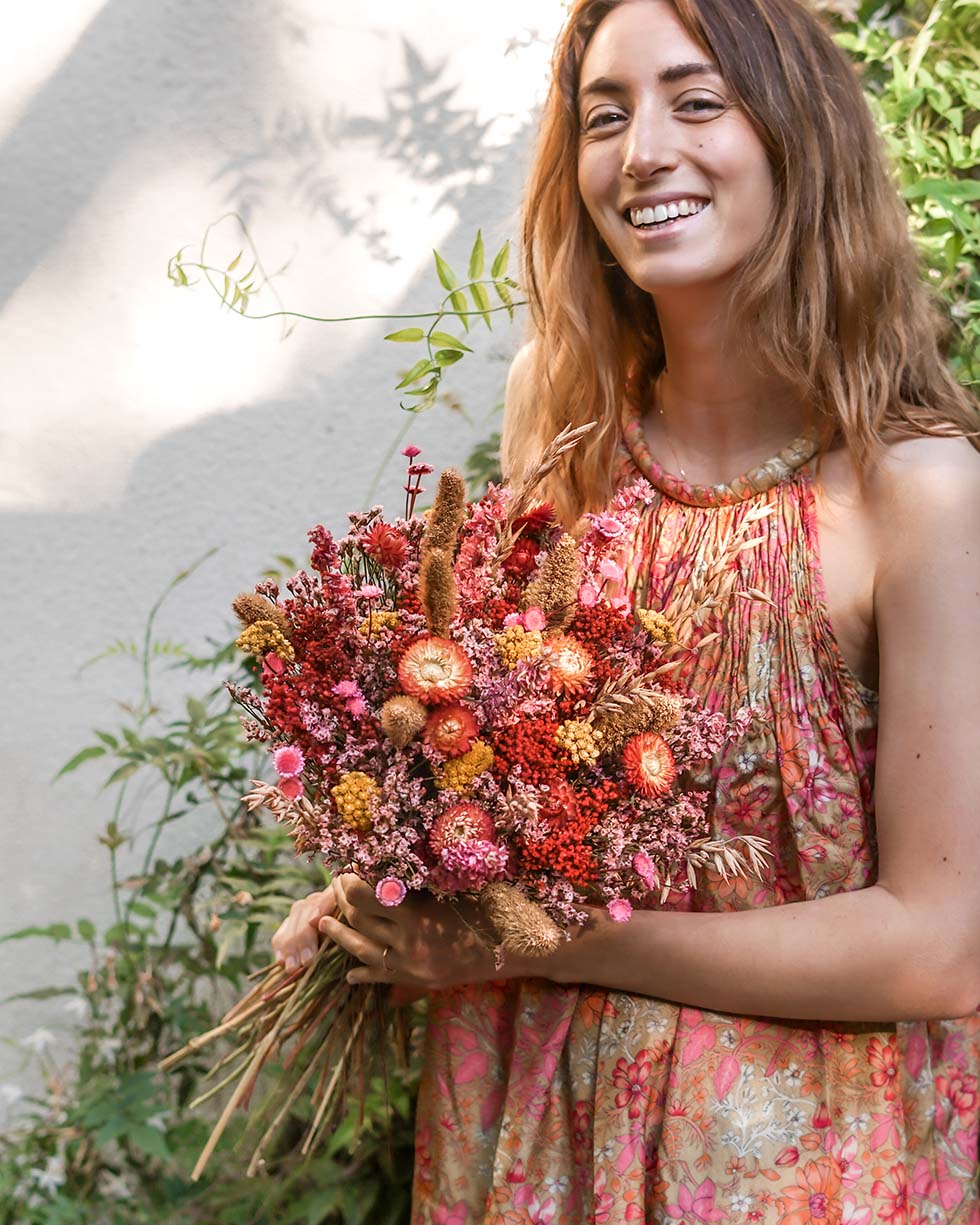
(670, 441)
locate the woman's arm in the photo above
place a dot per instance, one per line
(909, 946)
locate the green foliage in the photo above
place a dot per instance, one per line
(110, 1140)
(921, 68)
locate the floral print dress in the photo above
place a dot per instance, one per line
(544, 1104)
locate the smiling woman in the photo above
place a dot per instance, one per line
(721, 276)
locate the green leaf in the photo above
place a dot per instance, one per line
(54, 931)
(234, 263)
(93, 750)
(421, 367)
(503, 293)
(461, 307)
(482, 300)
(499, 265)
(40, 993)
(86, 929)
(447, 278)
(944, 191)
(476, 258)
(446, 340)
(447, 357)
(141, 909)
(407, 335)
(197, 711)
(109, 741)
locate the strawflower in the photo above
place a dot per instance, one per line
(288, 761)
(435, 670)
(619, 910)
(649, 764)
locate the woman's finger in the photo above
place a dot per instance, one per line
(368, 951)
(368, 919)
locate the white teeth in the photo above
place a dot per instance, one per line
(665, 212)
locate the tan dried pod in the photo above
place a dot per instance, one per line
(437, 590)
(521, 925)
(555, 589)
(402, 718)
(250, 607)
(446, 516)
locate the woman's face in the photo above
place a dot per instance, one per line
(660, 131)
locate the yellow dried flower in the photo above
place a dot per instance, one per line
(580, 740)
(437, 589)
(516, 643)
(657, 626)
(383, 619)
(459, 772)
(402, 718)
(250, 607)
(356, 796)
(263, 636)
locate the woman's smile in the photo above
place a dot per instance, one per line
(671, 171)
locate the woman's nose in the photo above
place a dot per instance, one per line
(648, 146)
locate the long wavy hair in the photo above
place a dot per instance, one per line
(836, 298)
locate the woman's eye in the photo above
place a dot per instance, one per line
(601, 120)
(702, 105)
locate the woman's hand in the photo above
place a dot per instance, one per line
(297, 937)
(422, 943)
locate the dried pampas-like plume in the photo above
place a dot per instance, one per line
(521, 925)
(555, 588)
(647, 712)
(446, 516)
(249, 608)
(402, 718)
(437, 589)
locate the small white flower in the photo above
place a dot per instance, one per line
(728, 1038)
(39, 1041)
(960, 310)
(77, 1007)
(51, 1177)
(730, 1138)
(794, 1074)
(741, 1203)
(115, 1185)
(10, 1093)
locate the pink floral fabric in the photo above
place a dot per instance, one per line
(554, 1105)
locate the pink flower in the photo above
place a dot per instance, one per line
(588, 595)
(606, 525)
(697, 1207)
(643, 867)
(619, 910)
(620, 603)
(288, 761)
(472, 864)
(611, 570)
(534, 618)
(292, 788)
(369, 592)
(353, 698)
(411, 452)
(390, 891)
(274, 663)
(513, 619)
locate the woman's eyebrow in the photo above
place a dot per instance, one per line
(666, 76)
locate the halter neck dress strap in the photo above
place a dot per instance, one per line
(756, 481)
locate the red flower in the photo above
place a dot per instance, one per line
(386, 545)
(895, 1190)
(538, 518)
(631, 1080)
(884, 1060)
(462, 822)
(522, 558)
(451, 729)
(961, 1091)
(649, 763)
(435, 670)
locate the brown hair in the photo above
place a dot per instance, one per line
(836, 299)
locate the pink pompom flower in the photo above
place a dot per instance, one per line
(288, 761)
(643, 867)
(390, 891)
(410, 452)
(292, 787)
(619, 910)
(534, 618)
(588, 595)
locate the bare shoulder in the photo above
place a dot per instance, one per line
(519, 375)
(924, 493)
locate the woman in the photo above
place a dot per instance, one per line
(711, 237)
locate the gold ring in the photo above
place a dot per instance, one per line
(384, 961)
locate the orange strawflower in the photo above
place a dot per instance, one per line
(435, 671)
(649, 763)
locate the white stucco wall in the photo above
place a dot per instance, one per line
(139, 425)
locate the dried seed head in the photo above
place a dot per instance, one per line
(249, 608)
(446, 516)
(555, 589)
(402, 718)
(521, 925)
(437, 589)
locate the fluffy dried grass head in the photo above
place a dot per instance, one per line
(521, 925)
(402, 718)
(249, 608)
(437, 589)
(555, 588)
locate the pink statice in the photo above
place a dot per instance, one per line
(354, 701)
(472, 864)
(644, 868)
